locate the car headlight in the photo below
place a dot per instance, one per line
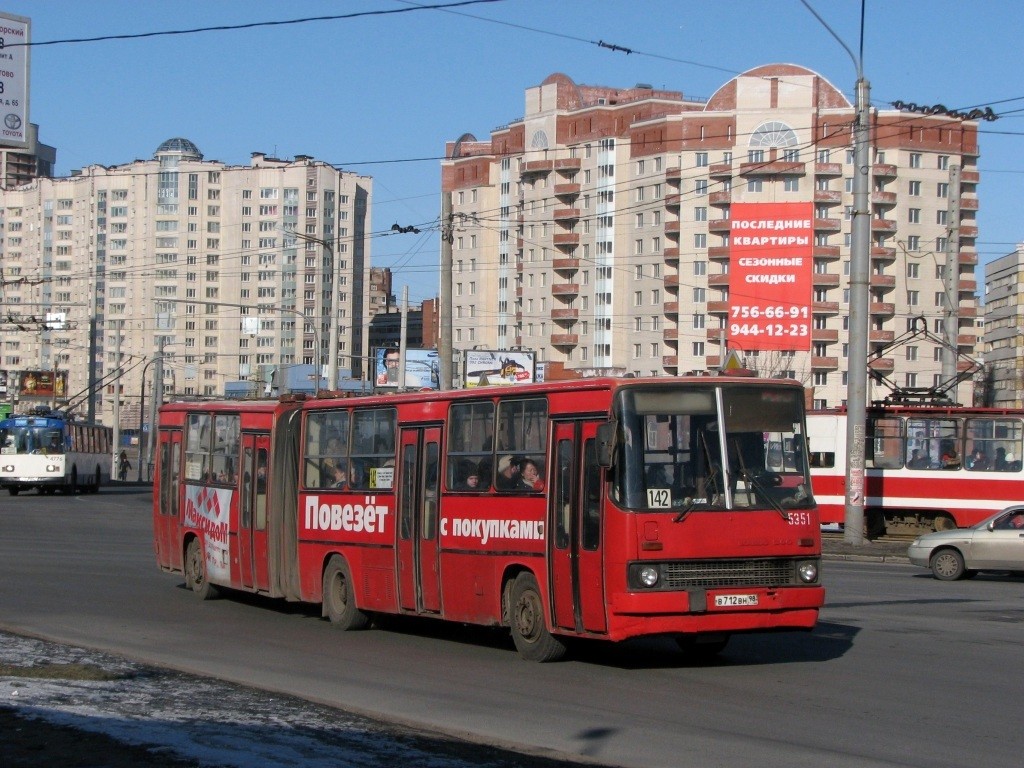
(648, 575)
(808, 571)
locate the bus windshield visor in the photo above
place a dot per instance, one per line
(671, 453)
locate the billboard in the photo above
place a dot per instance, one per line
(46, 385)
(771, 248)
(14, 47)
(488, 367)
(422, 368)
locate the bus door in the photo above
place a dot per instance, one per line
(419, 584)
(575, 548)
(252, 513)
(167, 521)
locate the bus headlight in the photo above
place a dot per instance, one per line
(808, 571)
(648, 575)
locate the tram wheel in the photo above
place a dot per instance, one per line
(944, 523)
(526, 617)
(339, 600)
(195, 572)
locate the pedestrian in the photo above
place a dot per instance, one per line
(123, 465)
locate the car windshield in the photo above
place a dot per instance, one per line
(711, 447)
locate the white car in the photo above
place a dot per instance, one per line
(995, 544)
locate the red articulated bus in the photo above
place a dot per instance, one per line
(602, 508)
(927, 467)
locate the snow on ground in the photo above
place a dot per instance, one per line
(217, 724)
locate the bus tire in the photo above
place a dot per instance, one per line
(526, 619)
(339, 600)
(71, 486)
(94, 486)
(195, 572)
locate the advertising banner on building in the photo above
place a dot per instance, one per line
(771, 248)
(422, 368)
(488, 367)
(14, 81)
(46, 385)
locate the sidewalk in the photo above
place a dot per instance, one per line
(836, 548)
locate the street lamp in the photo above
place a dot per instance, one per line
(860, 275)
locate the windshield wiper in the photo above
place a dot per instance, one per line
(762, 489)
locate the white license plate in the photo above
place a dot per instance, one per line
(729, 601)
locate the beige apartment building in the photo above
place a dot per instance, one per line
(597, 230)
(234, 272)
(1004, 331)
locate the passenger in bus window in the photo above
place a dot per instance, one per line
(530, 475)
(950, 459)
(508, 474)
(468, 478)
(978, 461)
(917, 460)
(1001, 464)
(338, 477)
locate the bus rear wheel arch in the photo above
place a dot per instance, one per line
(339, 600)
(526, 619)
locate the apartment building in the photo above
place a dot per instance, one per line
(601, 230)
(232, 271)
(1004, 331)
(19, 165)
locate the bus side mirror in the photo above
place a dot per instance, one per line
(606, 443)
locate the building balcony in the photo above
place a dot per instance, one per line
(966, 340)
(671, 254)
(566, 239)
(718, 252)
(720, 198)
(566, 214)
(967, 312)
(565, 289)
(718, 307)
(568, 165)
(672, 228)
(824, 363)
(566, 264)
(879, 253)
(828, 196)
(884, 171)
(968, 284)
(826, 252)
(969, 203)
(671, 282)
(670, 361)
(720, 226)
(882, 308)
(720, 170)
(881, 337)
(566, 314)
(774, 168)
(825, 307)
(718, 281)
(828, 169)
(827, 335)
(538, 166)
(968, 257)
(883, 225)
(830, 225)
(670, 335)
(968, 230)
(519, 292)
(565, 339)
(886, 282)
(673, 175)
(883, 199)
(970, 177)
(825, 280)
(567, 189)
(882, 365)
(671, 308)
(672, 200)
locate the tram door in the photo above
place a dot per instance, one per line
(252, 512)
(576, 523)
(167, 526)
(419, 583)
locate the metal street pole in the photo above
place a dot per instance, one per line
(860, 309)
(444, 326)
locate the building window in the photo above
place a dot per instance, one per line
(914, 215)
(915, 159)
(914, 189)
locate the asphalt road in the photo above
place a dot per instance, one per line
(901, 671)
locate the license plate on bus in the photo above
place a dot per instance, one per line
(733, 601)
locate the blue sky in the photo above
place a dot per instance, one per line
(380, 94)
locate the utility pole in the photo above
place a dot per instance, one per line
(155, 402)
(951, 282)
(444, 325)
(118, 326)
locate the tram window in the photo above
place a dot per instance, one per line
(885, 443)
(937, 442)
(994, 444)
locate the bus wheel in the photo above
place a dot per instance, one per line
(339, 601)
(71, 486)
(94, 486)
(195, 572)
(526, 617)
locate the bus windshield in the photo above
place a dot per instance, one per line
(672, 455)
(18, 440)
